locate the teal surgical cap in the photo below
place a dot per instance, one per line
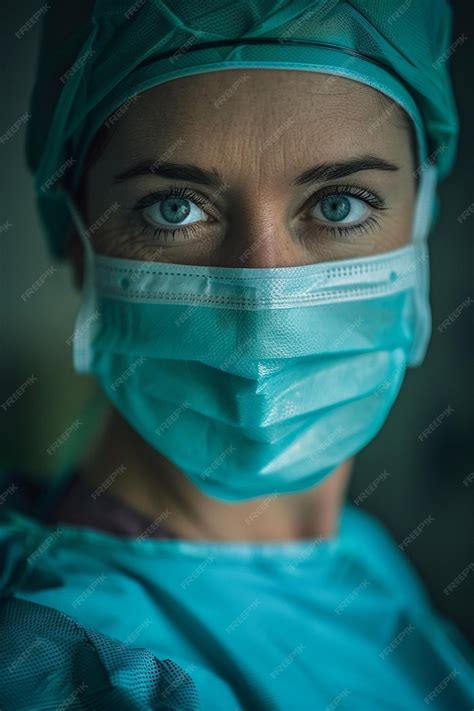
(95, 56)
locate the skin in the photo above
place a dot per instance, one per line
(271, 127)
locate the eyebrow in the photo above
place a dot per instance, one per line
(177, 171)
(332, 171)
(194, 174)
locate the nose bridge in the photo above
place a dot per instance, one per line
(259, 235)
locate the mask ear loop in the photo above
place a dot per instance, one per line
(87, 317)
(422, 221)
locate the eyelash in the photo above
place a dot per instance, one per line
(171, 191)
(369, 198)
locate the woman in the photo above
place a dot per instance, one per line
(245, 193)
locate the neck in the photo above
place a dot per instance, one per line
(152, 485)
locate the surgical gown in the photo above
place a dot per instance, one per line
(92, 620)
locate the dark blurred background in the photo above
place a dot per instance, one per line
(403, 480)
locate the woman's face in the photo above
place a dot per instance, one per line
(257, 168)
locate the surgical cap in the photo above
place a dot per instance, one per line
(95, 56)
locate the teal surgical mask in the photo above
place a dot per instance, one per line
(251, 380)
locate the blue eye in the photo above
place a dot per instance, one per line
(177, 211)
(340, 209)
(175, 215)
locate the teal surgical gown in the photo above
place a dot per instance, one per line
(92, 620)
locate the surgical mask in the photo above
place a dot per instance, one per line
(256, 381)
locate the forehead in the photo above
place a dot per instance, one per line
(241, 117)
